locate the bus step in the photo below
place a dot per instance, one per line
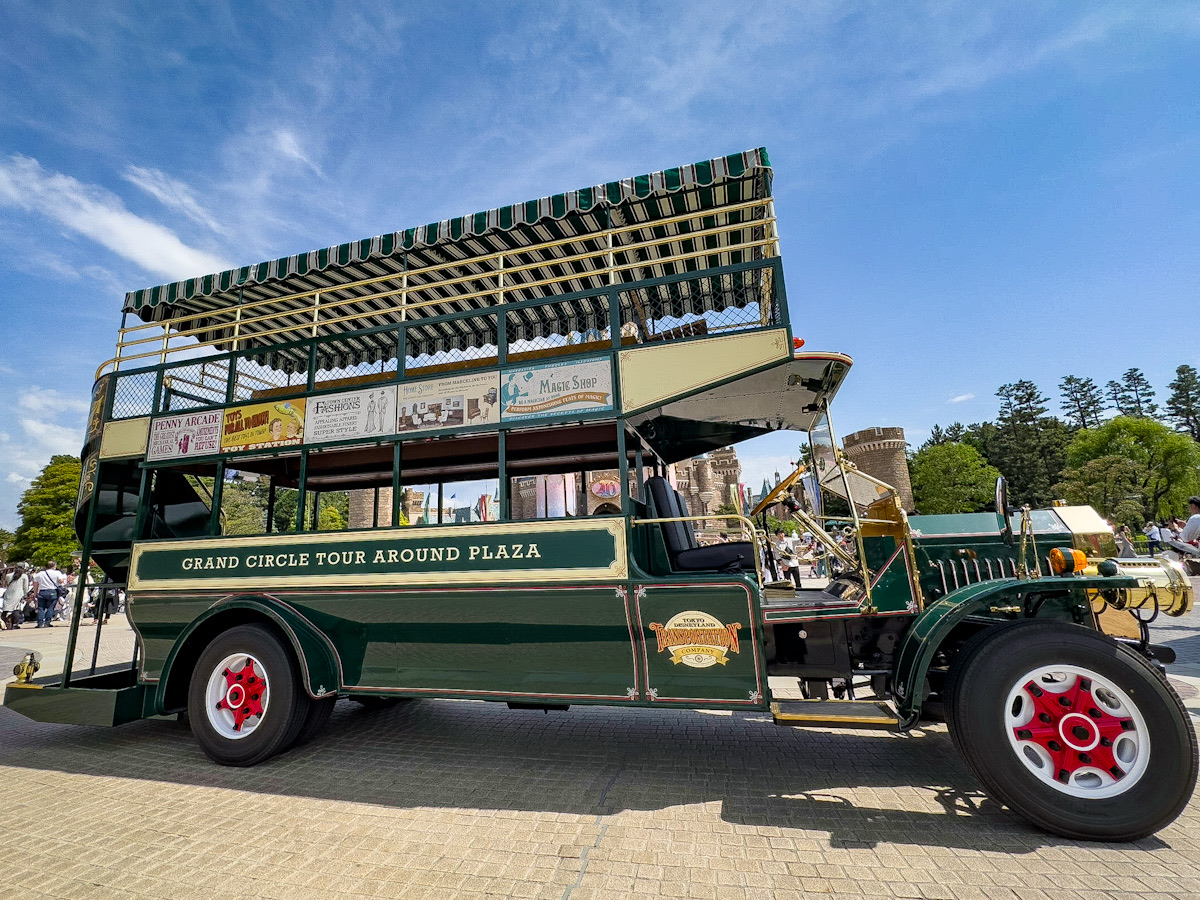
(835, 713)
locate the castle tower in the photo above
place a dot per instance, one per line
(882, 453)
(362, 508)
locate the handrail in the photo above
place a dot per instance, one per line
(616, 257)
(545, 245)
(742, 520)
(438, 301)
(301, 332)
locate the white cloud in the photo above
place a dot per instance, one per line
(47, 400)
(48, 424)
(287, 144)
(962, 398)
(101, 215)
(172, 193)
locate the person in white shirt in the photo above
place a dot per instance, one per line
(14, 596)
(785, 553)
(47, 582)
(1191, 531)
(1153, 535)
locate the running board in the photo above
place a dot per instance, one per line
(835, 714)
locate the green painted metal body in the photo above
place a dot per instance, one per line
(113, 697)
(990, 603)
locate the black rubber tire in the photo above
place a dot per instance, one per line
(286, 711)
(958, 665)
(991, 665)
(319, 712)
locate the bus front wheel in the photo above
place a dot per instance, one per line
(1075, 732)
(245, 701)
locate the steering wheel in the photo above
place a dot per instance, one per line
(773, 496)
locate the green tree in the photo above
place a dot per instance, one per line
(951, 478)
(1163, 469)
(1082, 402)
(1133, 396)
(47, 509)
(7, 539)
(1183, 406)
(1026, 445)
(244, 510)
(951, 434)
(1112, 485)
(936, 438)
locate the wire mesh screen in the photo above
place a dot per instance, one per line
(571, 326)
(452, 344)
(194, 385)
(706, 305)
(253, 379)
(134, 395)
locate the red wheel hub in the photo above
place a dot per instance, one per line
(243, 694)
(1074, 729)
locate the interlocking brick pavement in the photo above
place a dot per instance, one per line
(436, 799)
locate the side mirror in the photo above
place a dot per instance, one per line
(1003, 510)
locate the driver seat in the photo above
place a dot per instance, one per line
(684, 550)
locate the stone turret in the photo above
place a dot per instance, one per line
(362, 508)
(882, 453)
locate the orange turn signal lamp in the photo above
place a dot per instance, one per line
(1067, 562)
(797, 343)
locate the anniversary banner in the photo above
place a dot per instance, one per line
(355, 414)
(481, 554)
(556, 389)
(268, 424)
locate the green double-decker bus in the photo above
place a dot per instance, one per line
(457, 383)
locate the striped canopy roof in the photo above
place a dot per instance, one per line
(709, 184)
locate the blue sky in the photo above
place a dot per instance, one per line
(967, 194)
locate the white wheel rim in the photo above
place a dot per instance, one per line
(1096, 747)
(237, 695)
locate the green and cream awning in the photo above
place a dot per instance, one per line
(666, 213)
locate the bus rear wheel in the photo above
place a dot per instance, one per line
(1073, 731)
(245, 701)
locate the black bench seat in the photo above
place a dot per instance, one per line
(684, 550)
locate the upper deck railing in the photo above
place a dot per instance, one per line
(593, 292)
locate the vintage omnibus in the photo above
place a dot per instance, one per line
(500, 356)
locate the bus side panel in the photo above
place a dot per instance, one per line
(700, 643)
(569, 642)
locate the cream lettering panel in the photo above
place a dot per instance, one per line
(653, 374)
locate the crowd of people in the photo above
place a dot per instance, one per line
(46, 596)
(1160, 535)
(799, 554)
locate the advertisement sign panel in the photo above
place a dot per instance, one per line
(255, 425)
(448, 402)
(556, 389)
(354, 414)
(187, 434)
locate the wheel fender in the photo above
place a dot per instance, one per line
(935, 622)
(320, 666)
(930, 628)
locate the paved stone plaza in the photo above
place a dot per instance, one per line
(463, 799)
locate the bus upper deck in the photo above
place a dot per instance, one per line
(448, 352)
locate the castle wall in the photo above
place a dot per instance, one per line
(882, 453)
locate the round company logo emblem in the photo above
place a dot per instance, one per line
(697, 639)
